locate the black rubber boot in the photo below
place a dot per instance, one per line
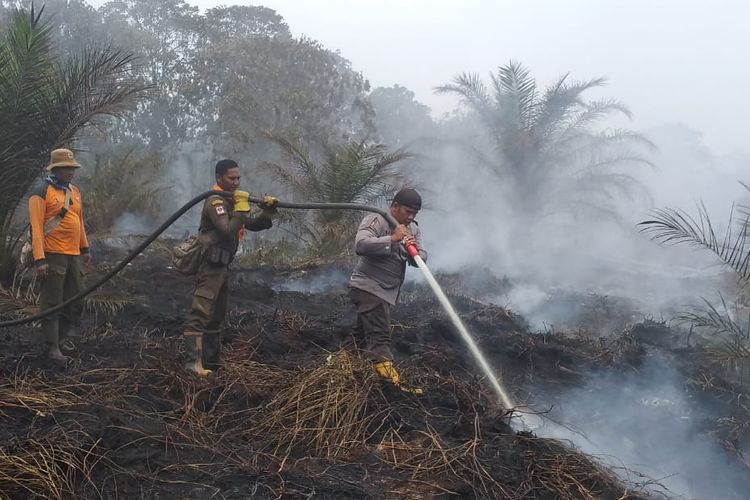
(52, 343)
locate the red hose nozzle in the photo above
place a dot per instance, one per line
(411, 249)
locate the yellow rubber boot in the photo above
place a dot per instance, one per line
(386, 371)
(194, 354)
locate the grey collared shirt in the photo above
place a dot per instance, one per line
(381, 265)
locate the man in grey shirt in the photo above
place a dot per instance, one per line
(376, 280)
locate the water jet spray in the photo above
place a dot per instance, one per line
(529, 420)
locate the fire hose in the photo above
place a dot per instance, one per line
(171, 220)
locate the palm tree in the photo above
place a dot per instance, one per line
(547, 151)
(45, 101)
(356, 172)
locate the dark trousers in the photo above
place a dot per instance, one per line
(372, 335)
(63, 281)
(209, 299)
(208, 310)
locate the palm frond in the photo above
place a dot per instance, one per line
(671, 226)
(94, 84)
(358, 171)
(585, 150)
(304, 166)
(625, 160)
(516, 94)
(583, 117)
(734, 336)
(289, 178)
(355, 172)
(562, 102)
(610, 137)
(744, 210)
(26, 67)
(470, 87)
(718, 322)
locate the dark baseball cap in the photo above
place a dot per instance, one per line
(408, 197)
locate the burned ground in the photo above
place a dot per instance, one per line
(294, 413)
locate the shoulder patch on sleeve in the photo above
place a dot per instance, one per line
(220, 210)
(217, 201)
(373, 223)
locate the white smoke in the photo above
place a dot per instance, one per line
(646, 421)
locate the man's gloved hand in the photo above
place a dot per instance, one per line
(241, 201)
(268, 204)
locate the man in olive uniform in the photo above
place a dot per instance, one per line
(223, 221)
(60, 249)
(377, 278)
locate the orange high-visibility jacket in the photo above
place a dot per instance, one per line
(69, 237)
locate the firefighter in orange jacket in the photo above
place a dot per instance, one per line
(60, 249)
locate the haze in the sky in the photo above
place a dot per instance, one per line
(669, 60)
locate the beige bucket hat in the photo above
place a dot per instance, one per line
(62, 158)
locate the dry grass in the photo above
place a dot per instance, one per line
(32, 393)
(22, 299)
(51, 462)
(426, 456)
(79, 433)
(325, 411)
(553, 470)
(282, 254)
(49, 466)
(14, 306)
(290, 322)
(110, 303)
